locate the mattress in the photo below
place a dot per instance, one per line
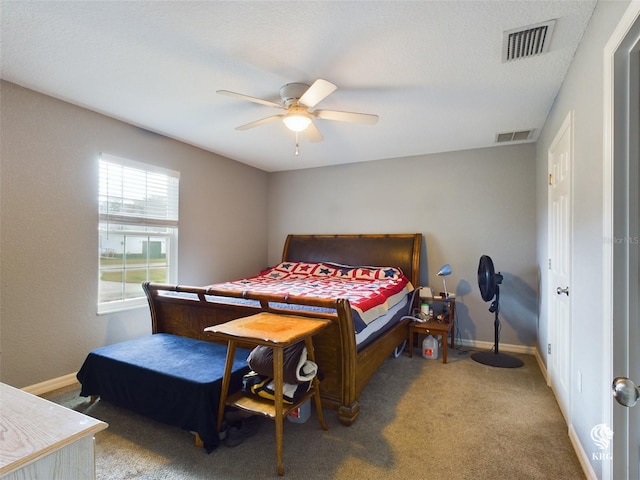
(383, 323)
(371, 291)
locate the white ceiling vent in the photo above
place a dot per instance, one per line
(519, 136)
(527, 42)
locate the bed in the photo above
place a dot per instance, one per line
(346, 362)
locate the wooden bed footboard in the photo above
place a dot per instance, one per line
(187, 311)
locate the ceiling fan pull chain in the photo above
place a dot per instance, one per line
(297, 151)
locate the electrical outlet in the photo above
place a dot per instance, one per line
(579, 381)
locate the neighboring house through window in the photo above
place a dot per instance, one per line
(138, 230)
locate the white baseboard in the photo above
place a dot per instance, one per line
(504, 347)
(542, 367)
(583, 458)
(51, 385)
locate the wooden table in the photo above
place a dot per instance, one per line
(278, 332)
(41, 439)
(441, 326)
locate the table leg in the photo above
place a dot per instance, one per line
(453, 335)
(316, 385)
(226, 380)
(411, 341)
(452, 318)
(444, 347)
(278, 372)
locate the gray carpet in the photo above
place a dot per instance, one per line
(419, 419)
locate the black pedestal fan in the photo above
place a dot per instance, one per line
(489, 281)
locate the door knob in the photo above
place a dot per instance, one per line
(625, 391)
(564, 290)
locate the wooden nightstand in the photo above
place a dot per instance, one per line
(436, 328)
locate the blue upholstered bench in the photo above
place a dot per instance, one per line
(172, 379)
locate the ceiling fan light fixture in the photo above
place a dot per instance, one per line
(297, 99)
(296, 121)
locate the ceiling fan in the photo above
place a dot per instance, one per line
(297, 100)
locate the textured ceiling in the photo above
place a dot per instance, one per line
(432, 70)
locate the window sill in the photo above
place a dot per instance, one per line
(115, 307)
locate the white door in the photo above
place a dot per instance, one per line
(622, 227)
(626, 297)
(633, 319)
(560, 209)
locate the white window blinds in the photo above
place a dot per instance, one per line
(136, 193)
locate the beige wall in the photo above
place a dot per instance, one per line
(465, 203)
(48, 234)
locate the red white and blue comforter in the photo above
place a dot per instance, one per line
(371, 291)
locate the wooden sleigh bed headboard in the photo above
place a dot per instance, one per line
(388, 250)
(347, 368)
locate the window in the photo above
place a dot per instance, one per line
(138, 230)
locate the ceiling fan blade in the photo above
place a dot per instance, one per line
(257, 123)
(251, 99)
(364, 118)
(312, 133)
(317, 92)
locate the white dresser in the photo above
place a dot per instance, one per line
(41, 440)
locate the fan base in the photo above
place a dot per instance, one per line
(497, 359)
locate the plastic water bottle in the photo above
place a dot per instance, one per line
(430, 348)
(300, 414)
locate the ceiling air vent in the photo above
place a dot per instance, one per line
(518, 136)
(526, 42)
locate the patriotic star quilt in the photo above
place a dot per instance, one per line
(371, 291)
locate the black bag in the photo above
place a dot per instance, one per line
(261, 361)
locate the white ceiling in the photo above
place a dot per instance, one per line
(432, 70)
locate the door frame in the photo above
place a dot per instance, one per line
(618, 62)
